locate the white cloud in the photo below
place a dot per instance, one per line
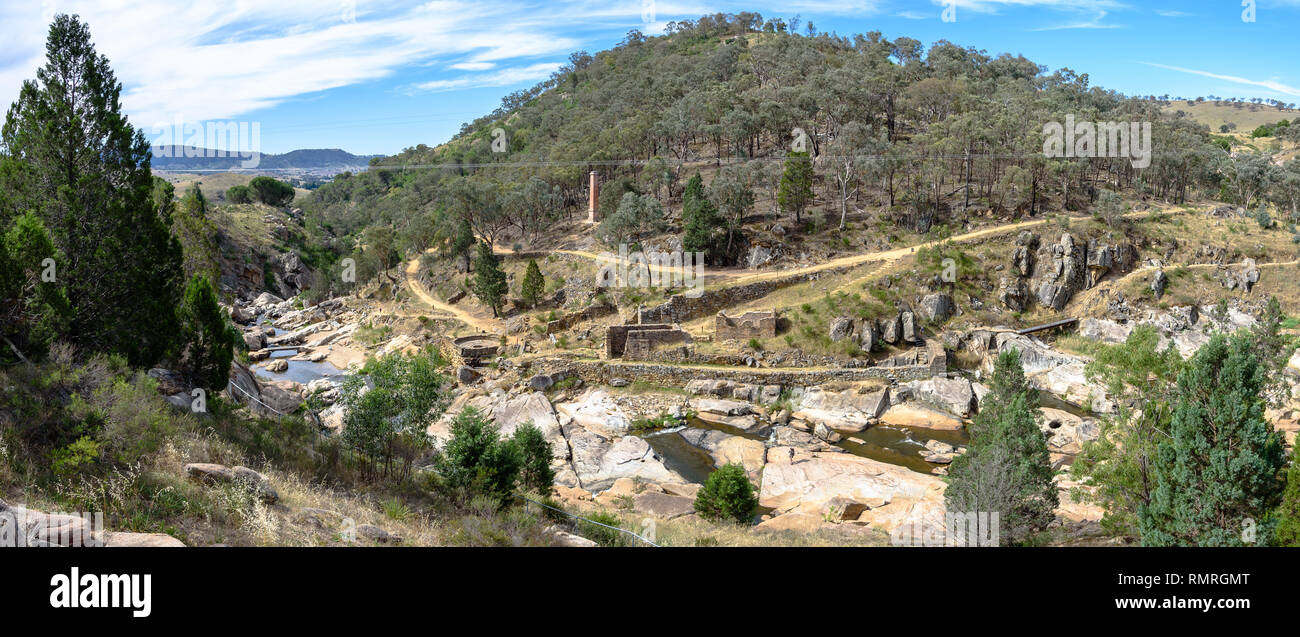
(1096, 9)
(214, 59)
(504, 77)
(1094, 23)
(473, 66)
(991, 6)
(1271, 85)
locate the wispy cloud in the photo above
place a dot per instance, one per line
(1271, 85)
(214, 59)
(504, 77)
(1095, 10)
(1094, 23)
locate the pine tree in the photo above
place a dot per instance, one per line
(700, 220)
(1217, 476)
(196, 233)
(462, 241)
(1117, 464)
(1007, 468)
(1270, 346)
(70, 156)
(534, 452)
(208, 338)
(490, 285)
(795, 192)
(33, 310)
(534, 284)
(1288, 515)
(728, 495)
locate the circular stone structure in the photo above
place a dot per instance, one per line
(477, 347)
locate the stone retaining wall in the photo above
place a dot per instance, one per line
(683, 307)
(602, 372)
(587, 314)
(749, 325)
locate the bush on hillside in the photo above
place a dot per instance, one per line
(239, 194)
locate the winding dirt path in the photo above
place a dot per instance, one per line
(1089, 296)
(484, 324)
(740, 277)
(736, 277)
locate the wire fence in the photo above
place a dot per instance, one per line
(589, 521)
(520, 497)
(255, 398)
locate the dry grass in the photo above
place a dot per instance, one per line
(1247, 118)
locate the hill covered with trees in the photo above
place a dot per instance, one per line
(920, 136)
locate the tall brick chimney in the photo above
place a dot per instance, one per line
(593, 189)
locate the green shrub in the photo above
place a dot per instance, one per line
(395, 509)
(70, 459)
(727, 495)
(478, 461)
(475, 459)
(603, 535)
(208, 338)
(387, 421)
(239, 194)
(535, 471)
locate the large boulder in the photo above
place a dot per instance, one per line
(911, 331)
(748, 453)
(953, 395)
(467, 375)
(1022, 260)
(1159, 282)
(1067, 432)
(1104, 331)
(283, 397)
(891, 330)
(265, 302)
(890, 494)
(243, 386)
(296, 337)
(663, 505)
(846, 410)
(169, 382)
(722, 407)
(597, 411)
(599, 462)
(917, 415)
(532, 407)
(937, 308)
(841, 328)
(255, 339)
(541, 382)
(869, 335)
(216, 474)
(21, 527)
(1014, 294)
(795, 439)
(1063, 274)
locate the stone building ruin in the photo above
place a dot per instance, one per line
(647, 342)
(758, 324)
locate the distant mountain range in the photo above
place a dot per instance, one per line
(315, 160)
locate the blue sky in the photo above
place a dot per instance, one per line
(377, 76)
